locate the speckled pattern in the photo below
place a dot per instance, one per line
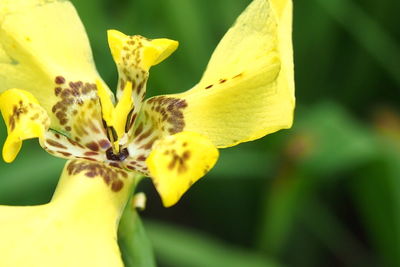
(113, 177)
(85, 135)
(29, 111)
(129, 70)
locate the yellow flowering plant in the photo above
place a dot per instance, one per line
(51, 90)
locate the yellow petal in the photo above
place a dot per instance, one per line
(157, 51)
(45, 51)
(247, 90)
(122, 109)
(146, 52)
(24, 118)
(134, 55)
(77, 228)
(179, 160)
(107, 106)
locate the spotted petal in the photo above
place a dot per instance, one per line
(247, 90)
(179, 160)
(24, 118)
(134, 55)
(45, 50)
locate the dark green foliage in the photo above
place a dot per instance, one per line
(325, 193)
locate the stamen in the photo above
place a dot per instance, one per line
(113, 137)
(117, 156)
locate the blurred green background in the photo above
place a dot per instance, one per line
(325, 193)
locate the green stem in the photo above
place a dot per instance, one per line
(134, 244)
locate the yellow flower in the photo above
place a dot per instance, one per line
(52, 91)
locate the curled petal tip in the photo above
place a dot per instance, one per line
(24, 118)
(165, 47)
(116, 41)
(11, 149)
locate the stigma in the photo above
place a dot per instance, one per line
(115, 118)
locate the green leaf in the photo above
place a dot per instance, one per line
(326, 141)
(31, 178)
(329, 230)
(335, 141)
(182, 247)
(133, 241)
(257, 164)
(368, 32)
(376, 192)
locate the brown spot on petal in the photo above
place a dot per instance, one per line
(92, 146)
(65, 154)
(186, 155)
(139, 129)
(55, 144)
(90, 169)
(141, 158)
(104, 144)
(178, 162)
(117, 185)
(57, 91)
(59, 80)
(91, 153)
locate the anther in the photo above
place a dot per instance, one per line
(123, 154)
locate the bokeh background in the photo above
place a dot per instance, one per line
(324, 193)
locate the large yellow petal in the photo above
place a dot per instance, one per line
(247, 90)
(77, 228)
(24, 118)
(45, 51)
(178, 161)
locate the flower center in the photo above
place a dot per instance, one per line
(120, 156)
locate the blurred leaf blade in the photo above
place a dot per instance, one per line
(317, 152)
(136, 248)
(376, 192)
(368, 32)
(31, 178)
(181, 247)
(333, 234)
